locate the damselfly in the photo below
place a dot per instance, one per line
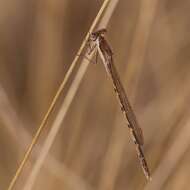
(98, 43)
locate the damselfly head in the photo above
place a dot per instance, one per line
(95, 35)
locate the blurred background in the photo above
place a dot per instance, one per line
(93, 149)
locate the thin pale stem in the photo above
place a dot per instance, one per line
(64, 108)
(53, 103)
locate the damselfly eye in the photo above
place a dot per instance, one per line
(93, 37)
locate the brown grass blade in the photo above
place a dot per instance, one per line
(52, 105)
(64, 107)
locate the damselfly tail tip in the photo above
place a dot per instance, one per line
(148, 177)
(147, 174)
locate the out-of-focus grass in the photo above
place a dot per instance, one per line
(151, 49)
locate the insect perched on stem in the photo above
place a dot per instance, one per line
(98, 43)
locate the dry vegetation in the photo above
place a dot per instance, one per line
(93, 151)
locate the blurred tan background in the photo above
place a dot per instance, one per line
(93, 150)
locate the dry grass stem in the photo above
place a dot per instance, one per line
(51, 164)
(58, 93)
(64, 107)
